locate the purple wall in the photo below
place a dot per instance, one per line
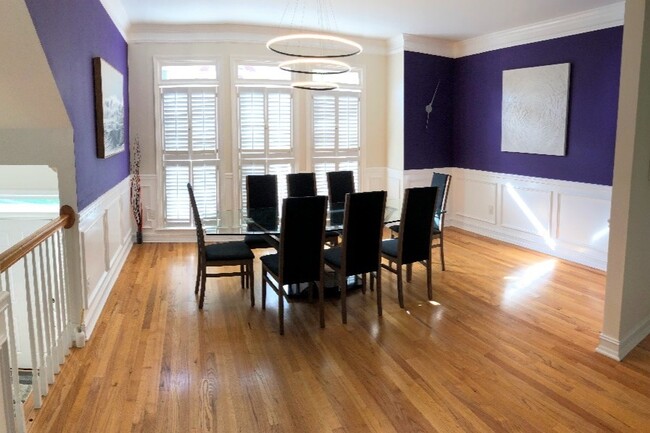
(595, 59)
(72, 32)
(427, 147)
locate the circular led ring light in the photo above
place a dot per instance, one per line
(315, 66)
(314, 85)
(345, 47)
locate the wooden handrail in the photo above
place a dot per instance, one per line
(65, 220)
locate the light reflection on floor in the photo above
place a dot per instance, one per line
(525, 282)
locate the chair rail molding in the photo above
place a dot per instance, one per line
(106, 237)
(569, 220)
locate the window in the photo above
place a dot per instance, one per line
(188, 119)
(265, 124)
(335, 135)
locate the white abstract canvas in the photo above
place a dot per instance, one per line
(535, 105)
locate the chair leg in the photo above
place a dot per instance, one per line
(363, 283)
(264, 277)
(281, 307)
(400, 294)
(321, 299)
(429, 288)
(372, 281)
(379, 307)
(250, 281)
(409, 272)
(202, 295)
(242, 276)
(343, 286)
(198, 275)
(442, 253)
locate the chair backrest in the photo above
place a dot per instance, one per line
(362, 231)
(301, 184)
(339, 183)
(442, 182)
(414, 241)
(200, 239)
(302, 235)
(261, 191)
(262, 199)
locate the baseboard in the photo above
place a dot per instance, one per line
(619, 349)
(101, 293)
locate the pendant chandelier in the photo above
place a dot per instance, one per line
(314, 54)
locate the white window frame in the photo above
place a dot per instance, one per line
(266, 157)
(158, 63)
(343, 89)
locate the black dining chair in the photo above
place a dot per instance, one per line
(235, 253)
(339, 183)
(304, 185)
(300, 253)
(414, 241)
(301, 184)
(360, 250)
(262, 206)
(442, 182)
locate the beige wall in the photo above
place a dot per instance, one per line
(142, 106)
(29, 97)
(395, 146)
(627, 299)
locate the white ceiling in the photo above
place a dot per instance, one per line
(445, 19)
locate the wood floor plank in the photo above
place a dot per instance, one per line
(508, 344)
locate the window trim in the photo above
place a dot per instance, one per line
(158, 63)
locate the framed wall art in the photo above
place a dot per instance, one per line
(109, 108)
(534, 110)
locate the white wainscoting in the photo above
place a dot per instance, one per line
(569, 220)
(106, 237)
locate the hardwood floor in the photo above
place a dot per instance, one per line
(507, 345)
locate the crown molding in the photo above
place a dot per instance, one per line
(118, 15)
(428, 45)
(582, 22)
(225, 33)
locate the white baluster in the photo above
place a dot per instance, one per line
(51, 305)
(57, 289)
(63, 277)
(13, 361)
(42, 373)
(47, 331)
(36, 383)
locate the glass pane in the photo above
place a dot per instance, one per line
(175, 118)
(177, 200)
(352, 78)
(189, 72)
(348, 116)
(281, 169)
(204, 119)
(262, 72)
(324, 122)
(279, 113)
(251, 120)
(204, 182)
(321, 168)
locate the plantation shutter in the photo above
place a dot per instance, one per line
(189, 124)
(335, 135)
(265, 135)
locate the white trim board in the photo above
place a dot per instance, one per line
(618, 349)
(568, 220)
(105, 240)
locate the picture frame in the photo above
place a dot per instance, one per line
(109, 108)
(535, 110)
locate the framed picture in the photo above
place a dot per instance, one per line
(109, 108)
(535, 105)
